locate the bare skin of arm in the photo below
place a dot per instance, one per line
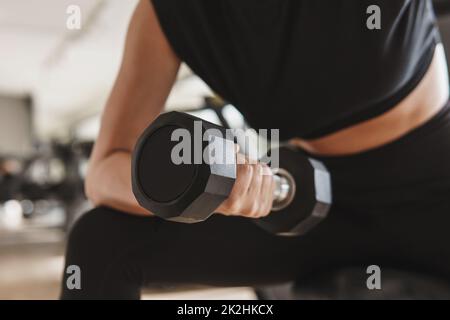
(148, 71)
(147, 74)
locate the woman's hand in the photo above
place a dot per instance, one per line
(252, 194)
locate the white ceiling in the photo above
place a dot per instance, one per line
(30, 32)
(69, 73)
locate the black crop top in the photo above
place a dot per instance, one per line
(306, 67)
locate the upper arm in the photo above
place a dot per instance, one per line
(148, 71)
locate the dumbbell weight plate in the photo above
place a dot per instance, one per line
(312, 199)
(185, 193)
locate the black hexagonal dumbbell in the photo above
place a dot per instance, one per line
(190, 188)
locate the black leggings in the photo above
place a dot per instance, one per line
(391, 208)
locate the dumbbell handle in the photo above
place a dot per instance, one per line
(284, 191)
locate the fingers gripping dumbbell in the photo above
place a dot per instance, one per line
(192, 190)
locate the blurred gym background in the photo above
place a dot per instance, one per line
(53, 85)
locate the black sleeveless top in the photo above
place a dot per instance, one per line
(307, 67)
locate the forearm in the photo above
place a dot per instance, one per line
(109, 184)
(147, 74)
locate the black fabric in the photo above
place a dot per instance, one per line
(442, 7)
(391, 208)
(306, 67)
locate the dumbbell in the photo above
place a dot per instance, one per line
(191, 190)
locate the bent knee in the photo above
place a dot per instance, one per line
(90, 225)
(104, 230)
(98, 231)
(95, 241)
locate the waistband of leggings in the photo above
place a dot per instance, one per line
(442, 117)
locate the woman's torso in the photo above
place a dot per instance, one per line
(308, 67)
